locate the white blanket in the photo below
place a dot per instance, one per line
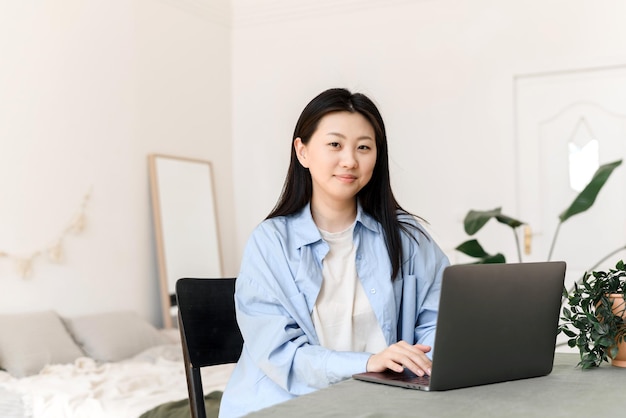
(91, 390)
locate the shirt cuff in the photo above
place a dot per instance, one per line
(342, 365)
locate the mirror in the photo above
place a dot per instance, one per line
(183, 209)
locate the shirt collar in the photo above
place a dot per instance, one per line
(365, 219)
(306, 232)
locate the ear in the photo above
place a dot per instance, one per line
(300, 149)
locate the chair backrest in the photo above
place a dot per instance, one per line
(209, 331)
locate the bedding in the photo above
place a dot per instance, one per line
(180, 409)
(113, 336)
(108, 378)
(29, 341)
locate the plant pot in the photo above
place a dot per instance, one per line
(619, 309)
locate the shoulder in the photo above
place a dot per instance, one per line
(265, 257)
(283, 225)
(273, 230)
(417, 239)
(289, 231)
(412, 227)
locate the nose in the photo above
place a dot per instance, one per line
(348, 159)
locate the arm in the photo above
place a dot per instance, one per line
(422, 272)
(429, 276)
(421, 286)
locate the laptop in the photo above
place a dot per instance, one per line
(496, 322)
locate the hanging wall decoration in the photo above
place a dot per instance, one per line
(54, 251)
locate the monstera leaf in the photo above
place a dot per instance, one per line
(476, 219)
(474, 249)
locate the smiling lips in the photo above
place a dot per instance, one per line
(346, 178)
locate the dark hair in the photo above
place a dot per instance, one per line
(376, 197)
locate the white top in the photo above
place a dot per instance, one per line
(342, 315)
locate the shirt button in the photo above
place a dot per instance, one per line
(372, 290)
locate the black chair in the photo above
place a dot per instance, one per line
(208, 329)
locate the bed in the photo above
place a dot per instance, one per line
(112, 364)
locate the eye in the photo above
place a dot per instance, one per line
(365, 147)
(334, 144)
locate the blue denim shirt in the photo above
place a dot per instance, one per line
(280, 278)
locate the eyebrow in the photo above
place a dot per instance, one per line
(340, 135)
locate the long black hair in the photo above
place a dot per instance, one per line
(376, 197)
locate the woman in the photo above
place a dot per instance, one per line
(338, 279)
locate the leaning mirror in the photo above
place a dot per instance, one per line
(185, 224)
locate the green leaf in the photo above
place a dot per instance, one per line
(476, 219)
(605, 342)
(569, 333)
(492, 259)
(587, 197)
(472, 248)
(507, 220)
(567, 314)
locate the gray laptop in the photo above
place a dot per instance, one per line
(497, 322)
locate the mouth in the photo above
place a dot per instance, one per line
(346, 178)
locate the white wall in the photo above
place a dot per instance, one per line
(442, 73)
(87, 90)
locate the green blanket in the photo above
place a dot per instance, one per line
(180, 409)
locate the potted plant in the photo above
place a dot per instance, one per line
(593, 317)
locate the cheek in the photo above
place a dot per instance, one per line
(369, 165)
(319, 169)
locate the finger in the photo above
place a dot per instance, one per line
(381, 361)
(423, 348)
(416, 351)
(410, 357)
(402, 355)
(419, 364)
(396, 367)
(393, 358)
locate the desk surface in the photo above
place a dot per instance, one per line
(567, 392)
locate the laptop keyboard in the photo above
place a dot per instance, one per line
(408, 376)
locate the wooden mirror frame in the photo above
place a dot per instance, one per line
(185, 224)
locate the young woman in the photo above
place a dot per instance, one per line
(339, 279)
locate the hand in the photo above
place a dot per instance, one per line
(400, 355)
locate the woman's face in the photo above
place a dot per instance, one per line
(340, 156)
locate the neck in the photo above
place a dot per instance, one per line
(335, 217)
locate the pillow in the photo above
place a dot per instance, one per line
(113, 336)
(30, 341)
